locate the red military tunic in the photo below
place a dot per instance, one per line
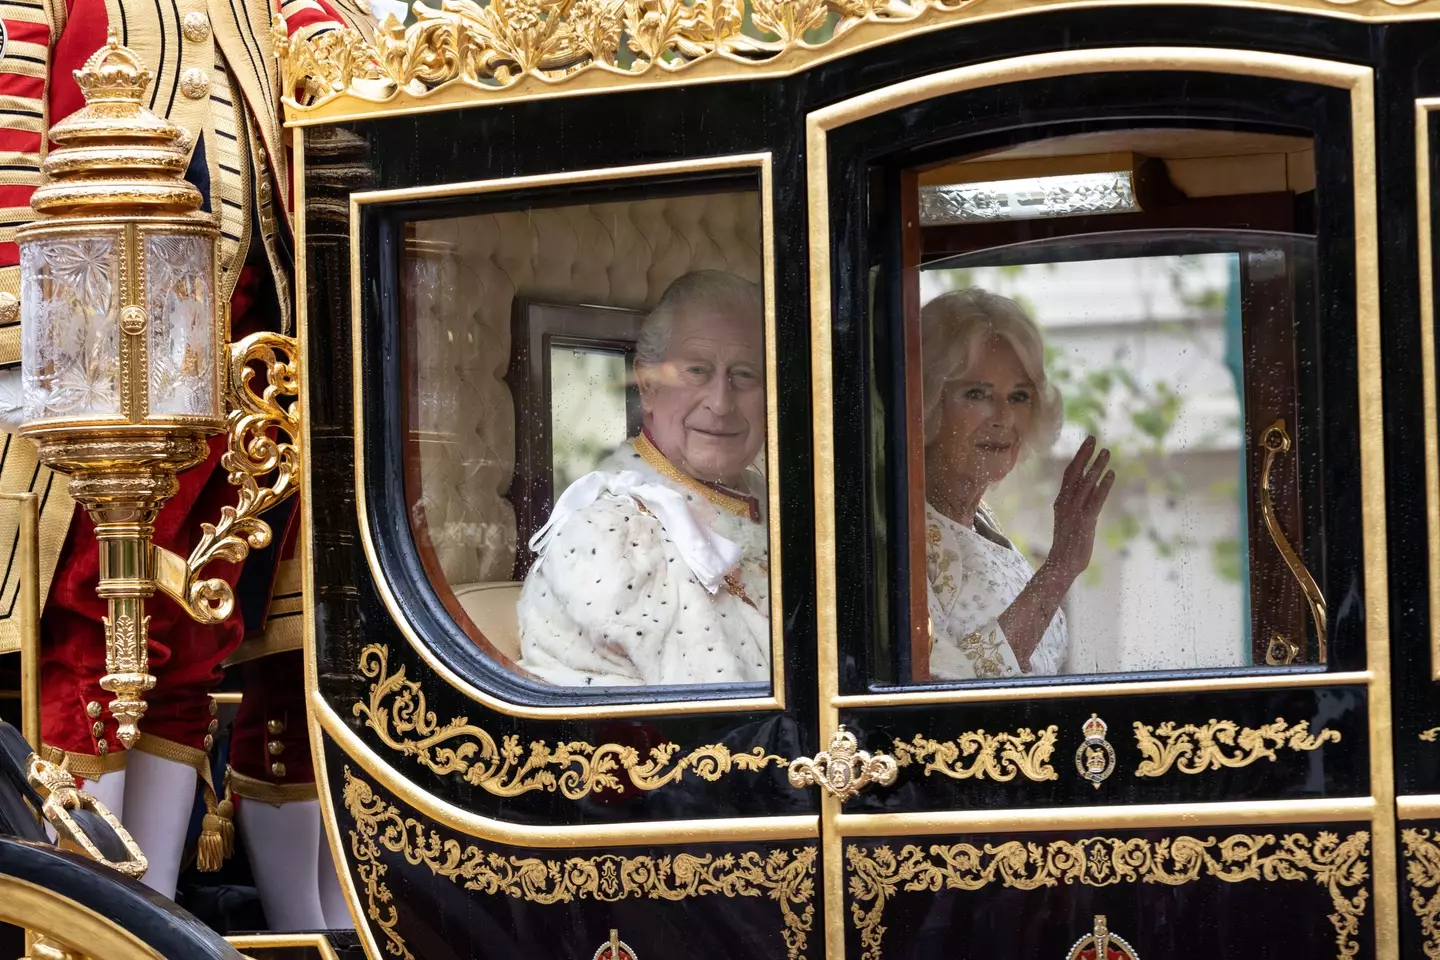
(215, 74)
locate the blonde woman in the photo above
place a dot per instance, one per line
(988, 401)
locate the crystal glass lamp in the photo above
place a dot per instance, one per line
(124, 345)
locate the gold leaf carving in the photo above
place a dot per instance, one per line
(1431, 735)
(266, 470)
(398, 713)
(545, 44)
(878, 874)
(1220, 743)
(1422, 869)
(785, 876)
(998, 756)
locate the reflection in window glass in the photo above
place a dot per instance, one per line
(1138, 353)
(587, 409)
(588, 413)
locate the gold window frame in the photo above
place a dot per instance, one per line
(760, 163)
(1378, 808)
(1424, 239)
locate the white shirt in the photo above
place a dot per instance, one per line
(972, 578)
(616, 598)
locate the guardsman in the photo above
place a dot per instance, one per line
(214, 75)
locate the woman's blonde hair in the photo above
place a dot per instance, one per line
(953, 325)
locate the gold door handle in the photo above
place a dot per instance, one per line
(843, 769)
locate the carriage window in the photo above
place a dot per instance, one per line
(1111, 403)
(587, 432)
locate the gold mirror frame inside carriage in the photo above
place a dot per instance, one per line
(1377, 807)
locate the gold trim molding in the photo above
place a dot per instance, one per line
(399, 715)
(877, 874)
(1422, 869)
(465, 53)
(998, 756)
(1220, 743)
(785, 876)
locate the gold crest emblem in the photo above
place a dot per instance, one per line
(1095, 758)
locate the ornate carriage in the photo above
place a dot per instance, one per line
(1219, 216)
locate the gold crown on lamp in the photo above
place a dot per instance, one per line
(113, 73)
(1094, 728)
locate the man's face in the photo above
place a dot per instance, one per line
(705, 403)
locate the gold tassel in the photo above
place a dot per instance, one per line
(225, 810)
(214, 847)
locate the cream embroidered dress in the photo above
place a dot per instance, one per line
(973, 577)
(648, 576)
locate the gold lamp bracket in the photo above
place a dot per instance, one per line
(263, 459)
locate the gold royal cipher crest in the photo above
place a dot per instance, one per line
(1095, 758)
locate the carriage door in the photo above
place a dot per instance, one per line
(1148, 727)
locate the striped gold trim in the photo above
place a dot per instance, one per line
(174, 752)
(263, 791)
(281, 634)
(85, 766)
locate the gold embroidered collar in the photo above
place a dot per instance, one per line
(726, 499)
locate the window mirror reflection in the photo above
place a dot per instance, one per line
(1112, 408)
(587, 413)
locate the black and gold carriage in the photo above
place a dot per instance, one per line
(1218, 214)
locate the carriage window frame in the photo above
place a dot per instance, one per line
(850, 636)
(408, 591)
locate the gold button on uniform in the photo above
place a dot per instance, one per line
(275, 727)
(213, 726)
(92, 709)
(195, 83)
(97, 729)
(195, 26)
(275, 747)
(214, 707)
(277, 769)
(209, 742)
(101, 747)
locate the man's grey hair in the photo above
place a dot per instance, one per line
(712, 289)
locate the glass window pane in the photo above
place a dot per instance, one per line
(587, 417)
(1111, 410)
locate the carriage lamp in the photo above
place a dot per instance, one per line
(126, 361)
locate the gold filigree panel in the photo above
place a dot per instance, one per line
(981, 755)
(1422, 869)
(528, 48)
(1220, 743)
(396, 710)
(785, 876)
(878, 874)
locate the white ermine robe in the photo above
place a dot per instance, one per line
(648, 576)
(973, 577)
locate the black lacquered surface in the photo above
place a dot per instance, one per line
(563, 903)
(1139, 880)
(1333, 769)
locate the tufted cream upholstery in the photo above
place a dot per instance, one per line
(613, 254)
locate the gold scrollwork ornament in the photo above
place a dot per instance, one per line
(877, 874)
(1220, 743)
(397, 711)
(1095, 757)
(999, 756)
(784, 876)
(843, 769)
(1101, 944)
(1422, 871)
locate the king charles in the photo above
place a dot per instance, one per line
(654, 569)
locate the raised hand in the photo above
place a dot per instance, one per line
(1083, 490)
